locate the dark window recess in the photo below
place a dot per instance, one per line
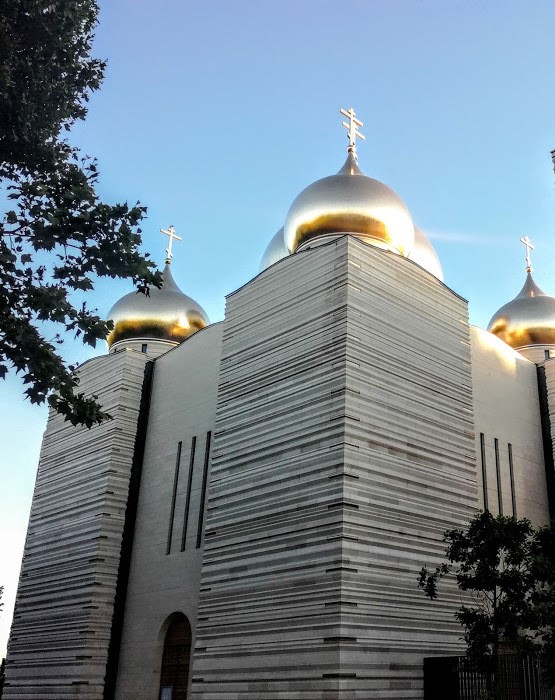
(144, 347)
(546, 438)
(484, 470)
(547, 354)
(512, 475)
(204, 484)
(174, 675)
(174, 495)
(498, 474)
(188, 495)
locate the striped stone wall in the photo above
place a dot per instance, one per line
(343, 448)
(409, 471)
(272, 539)
(63, 615)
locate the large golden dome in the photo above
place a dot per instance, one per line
(166, 314)
(349, 202)
(529, 319)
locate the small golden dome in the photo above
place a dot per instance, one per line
(275, 251)
(349, 202)
(529, 319)
(425, 255)
(165, 314)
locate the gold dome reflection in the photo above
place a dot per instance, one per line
(274, 252)
(166, 314)
(425, 255)
(529, 319)
(350, 202)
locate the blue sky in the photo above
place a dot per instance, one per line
(217, 114)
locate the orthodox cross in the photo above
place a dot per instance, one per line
(352, 132)
(170, 231)
(529, 246)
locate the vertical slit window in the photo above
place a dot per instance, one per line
(512, 475)
(484, 470)
(188, 496)
(203, 491)
(174, 494)
(498, 474)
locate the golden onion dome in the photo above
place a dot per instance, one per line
(529, 319)
(165, 314)
(275, 251)
(425, 255)
(350, 203)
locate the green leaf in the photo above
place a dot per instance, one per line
(66, 237)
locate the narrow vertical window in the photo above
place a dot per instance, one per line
(176, 660)
(203, 492)
(512, 475)
(547, 354)
(174, 494)
(144, 347)
(484, 470)
(498, 473)
(188, 496)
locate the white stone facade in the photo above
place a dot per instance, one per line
(63, 616)
(301, 462)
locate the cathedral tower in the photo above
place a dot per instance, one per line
(343, 449)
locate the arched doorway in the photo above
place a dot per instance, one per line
(176, 658)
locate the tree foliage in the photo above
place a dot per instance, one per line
(56, 235)
(507, 571)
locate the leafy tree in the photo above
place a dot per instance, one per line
(56, 235)
(507, 570)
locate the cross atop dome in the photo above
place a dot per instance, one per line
(170, 231)
(529, 246)
(352, 131)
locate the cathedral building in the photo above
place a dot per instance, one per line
(251, 522)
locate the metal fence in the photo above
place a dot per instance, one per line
(461, 678)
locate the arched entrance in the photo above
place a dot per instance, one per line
(176, 658)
